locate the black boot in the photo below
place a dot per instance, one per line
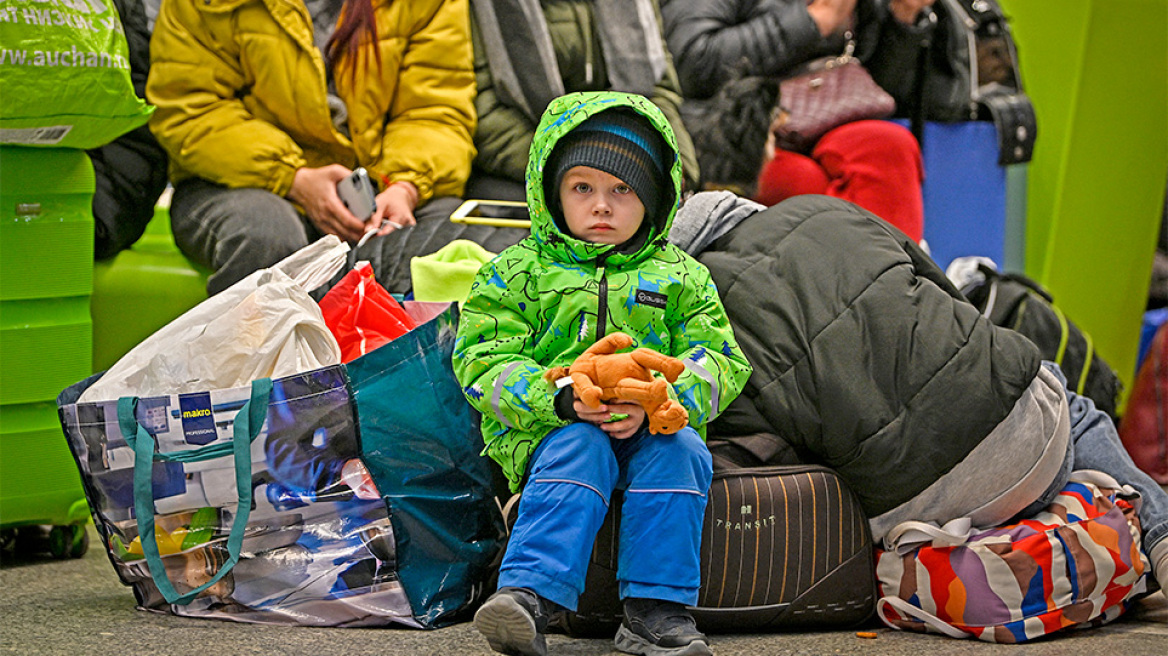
(513, 620)
(660, 628)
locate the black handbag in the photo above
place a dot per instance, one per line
(970, 72)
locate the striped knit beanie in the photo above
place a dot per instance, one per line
(619, 142)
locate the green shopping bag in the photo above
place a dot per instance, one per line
(66, 74)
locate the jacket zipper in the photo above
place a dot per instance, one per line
(602, 296)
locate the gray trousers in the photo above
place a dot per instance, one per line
(234, 232)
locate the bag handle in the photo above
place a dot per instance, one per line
(907, 536)
(930, 620)
(1104, 481)
(248, 423)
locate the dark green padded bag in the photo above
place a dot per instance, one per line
(1017, 302)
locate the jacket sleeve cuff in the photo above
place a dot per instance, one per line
(424, 185)
(565, 405)
(284, 173)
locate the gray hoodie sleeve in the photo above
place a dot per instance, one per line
(707, 216)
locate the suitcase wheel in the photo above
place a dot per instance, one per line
(68, 541)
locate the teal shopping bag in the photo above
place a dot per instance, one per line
(420, 440)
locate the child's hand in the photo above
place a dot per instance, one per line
(591, 415)
(629, 417)
(627, 427)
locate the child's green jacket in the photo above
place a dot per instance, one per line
(540, 303)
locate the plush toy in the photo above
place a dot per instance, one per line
(601, 374)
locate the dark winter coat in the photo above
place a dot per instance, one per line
(865, 356)
(711, 38)
(130, 171)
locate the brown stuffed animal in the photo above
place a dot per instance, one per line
(600, 373)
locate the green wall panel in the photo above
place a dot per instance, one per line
(1097, 72)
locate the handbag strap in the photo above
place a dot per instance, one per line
(827, 61)
(1105, 481)
(849, 44)
(906, 536)
(248, 423)
(849, 40)
(930, 620)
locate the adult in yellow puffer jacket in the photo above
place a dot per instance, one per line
(263, 105)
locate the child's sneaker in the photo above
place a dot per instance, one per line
(660, 628)
(513, 620)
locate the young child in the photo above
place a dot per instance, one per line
(603, 183)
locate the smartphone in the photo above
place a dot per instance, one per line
(357, 193)
(498, 213)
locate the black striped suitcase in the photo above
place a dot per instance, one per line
(782, 547)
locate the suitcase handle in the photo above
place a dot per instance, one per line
(248, 422)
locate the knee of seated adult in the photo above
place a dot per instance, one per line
(895, 138)
(901, 137)
(890, 140)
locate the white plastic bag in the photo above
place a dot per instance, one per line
(264, 326)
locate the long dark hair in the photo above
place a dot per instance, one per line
(358, 25)
(730, 137)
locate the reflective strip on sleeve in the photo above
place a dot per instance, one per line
(709, 377)
(497, 395)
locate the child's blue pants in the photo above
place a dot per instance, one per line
(572, 476)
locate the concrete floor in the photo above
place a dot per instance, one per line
(80, 607)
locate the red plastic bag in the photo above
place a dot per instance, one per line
(361, 314)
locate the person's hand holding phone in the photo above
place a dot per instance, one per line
(395, 208)
(356, 192)
(315, 190)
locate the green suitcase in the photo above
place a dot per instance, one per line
(46, 277)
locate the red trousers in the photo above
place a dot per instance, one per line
(874, 164)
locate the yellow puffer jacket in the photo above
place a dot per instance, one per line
(242, 94)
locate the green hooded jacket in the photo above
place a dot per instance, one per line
(542, 302)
